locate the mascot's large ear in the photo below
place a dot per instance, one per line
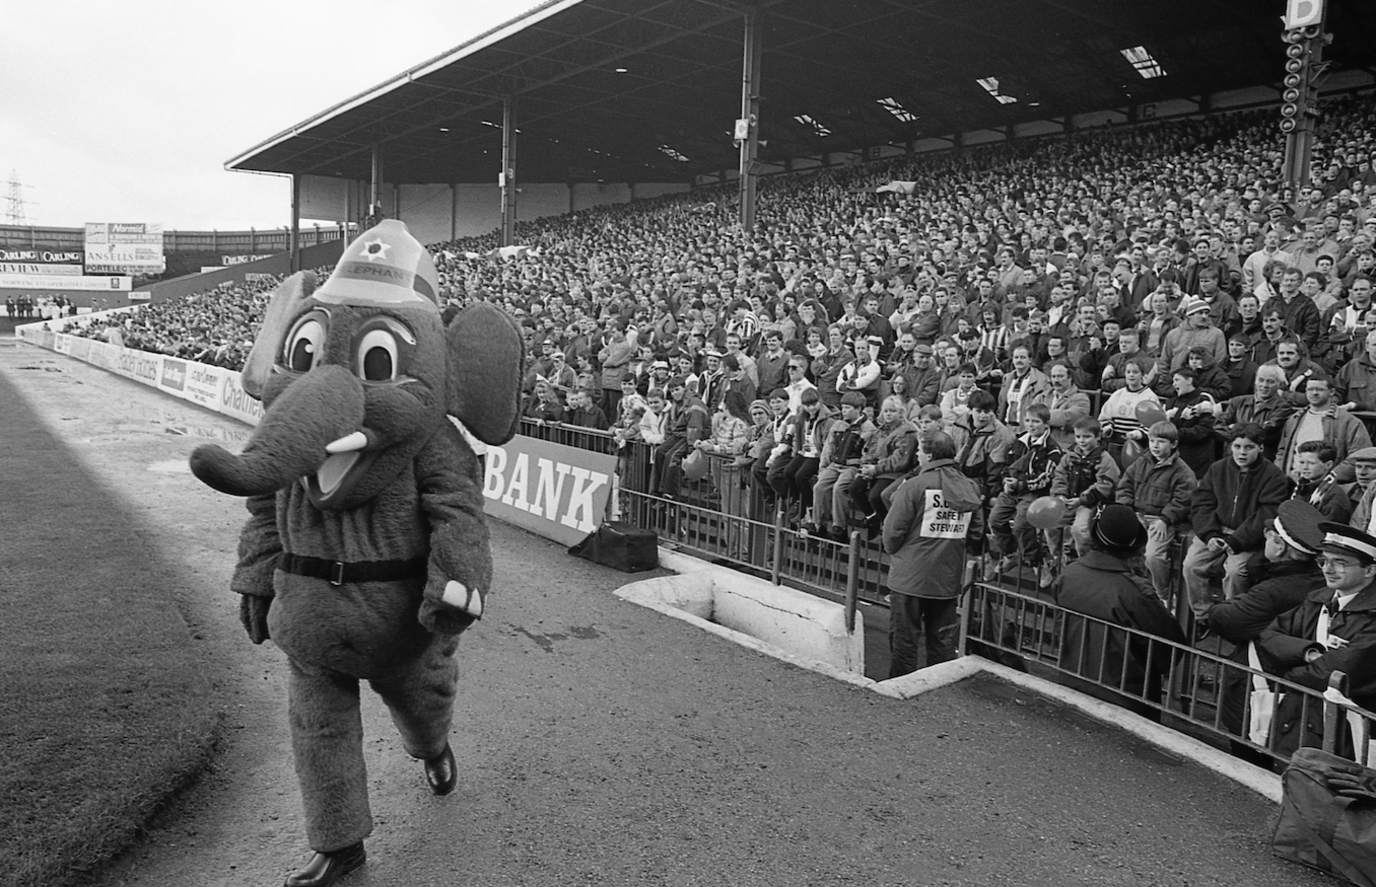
(487, 358)
(288, 296)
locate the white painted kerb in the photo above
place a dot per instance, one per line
(777, 621)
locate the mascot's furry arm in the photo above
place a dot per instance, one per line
(451, 494)
(259, 546)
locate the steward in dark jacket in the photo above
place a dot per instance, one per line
(1320, 636)
(932, 518)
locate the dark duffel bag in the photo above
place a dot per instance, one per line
(620, 546)
(1321, 828)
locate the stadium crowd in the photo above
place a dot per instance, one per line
(1143, 315)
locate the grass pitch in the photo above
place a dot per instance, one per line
(106, 708)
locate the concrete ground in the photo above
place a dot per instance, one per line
(603, 743)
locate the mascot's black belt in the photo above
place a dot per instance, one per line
(341, 573)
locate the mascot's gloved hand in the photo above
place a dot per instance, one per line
(444, 620)
(253, 613)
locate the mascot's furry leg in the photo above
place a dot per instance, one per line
(327, 734)
(327, 743)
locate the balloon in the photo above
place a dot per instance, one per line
(1046, 512)
(695, 466)
(1149, 412)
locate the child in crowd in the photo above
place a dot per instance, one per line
(582, 411)
(1317, 484)
(840, 462)
(1084, 478)
(1158, 487)
(1032, 462)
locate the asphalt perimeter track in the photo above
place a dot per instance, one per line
(602, 743)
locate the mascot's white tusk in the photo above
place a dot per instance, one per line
(348, 443)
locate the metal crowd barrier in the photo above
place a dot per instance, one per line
(1201, 693)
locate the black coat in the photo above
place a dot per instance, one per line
(1283, 645)
(1100, 585)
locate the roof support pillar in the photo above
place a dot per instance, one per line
(508, 176)
(294, 247)
(750, 114)
(375, 188)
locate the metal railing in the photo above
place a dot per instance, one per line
(1201, 693)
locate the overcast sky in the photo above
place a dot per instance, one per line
(127, 112)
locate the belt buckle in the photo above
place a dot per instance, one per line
(337, 573)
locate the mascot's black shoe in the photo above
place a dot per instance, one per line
(326, 868)
(441, 773)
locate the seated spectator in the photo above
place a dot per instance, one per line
(1191, 411)
(1158, 487)
(983, 453)
(583, 412)
(898, 388)
(1118, 415)
(1211, 378)
(1356, 381)
(1362, 491)
(1129, 350)
(1032, 462)
(687, 423)
(1240, 369)
(776, 456)
(955, 402)
(1316, 483)
(1265, 407)
(730, 427)
(1234, 499)
(1084, 479)
(1324, 421)
(545, 407)
(890, 454)
(1124, 668)
(933, 520)
(793, 480)
(838, 466)
(1309, 643)
(1067, 404)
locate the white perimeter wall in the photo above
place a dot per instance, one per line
(438, 212)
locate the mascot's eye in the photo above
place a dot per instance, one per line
(377, 356)
(305, 345)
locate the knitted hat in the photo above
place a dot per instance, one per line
(1194, 304)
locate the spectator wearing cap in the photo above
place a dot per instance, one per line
(838, 467)
(933, 519)
(1362, 491)
(1316, 638)
(923, 377)
(1234, 499)
(1198, 331)
(1324, 421)
(1127, 669)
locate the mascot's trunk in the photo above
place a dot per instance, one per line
(313, 411)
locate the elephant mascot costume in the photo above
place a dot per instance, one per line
(366, 551)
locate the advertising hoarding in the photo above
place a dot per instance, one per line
(124, 248)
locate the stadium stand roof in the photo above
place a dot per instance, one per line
(647, 90)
